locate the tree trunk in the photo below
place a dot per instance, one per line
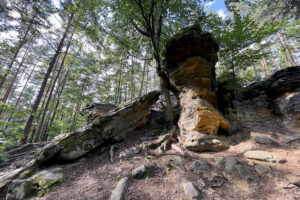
(20, 95)
(274, 60)
(17, 51)
(143, 79)
(15, 76)
(286, 46)
(255, 72)
(39, 96)
(147, 81)
(38, 132)
(132, 84)
(56, 94)
(264, 62)
(119, 86)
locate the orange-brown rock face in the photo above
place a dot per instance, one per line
(191, 58)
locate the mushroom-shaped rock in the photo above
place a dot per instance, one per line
(190, 60)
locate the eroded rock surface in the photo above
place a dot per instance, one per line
(37, 185)
(191, 57)
(112, 126)
(281, 93)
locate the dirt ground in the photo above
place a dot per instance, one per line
(95, 176)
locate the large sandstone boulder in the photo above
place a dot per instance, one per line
(190, 58)
(110, 127)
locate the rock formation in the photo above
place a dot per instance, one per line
(281, 93)
(112, 126)
(95, 110)
(190, 59)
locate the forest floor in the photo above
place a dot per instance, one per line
(95, 176)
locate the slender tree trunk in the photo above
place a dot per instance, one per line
(59, 95)
(264, 62)
(20, 95)
(21, 43)
(15, 76)
(126, 88)
(38, 99)
(132, 84)
(38, 132)
(255, 72)
(57, 92)
(77, 109)
(143, 79)
(274, 60)
(147, 81)
(284, 44)
(119, 86)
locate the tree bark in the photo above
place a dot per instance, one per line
(38, 132)
(39, 96)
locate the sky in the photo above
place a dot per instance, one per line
(217, 6)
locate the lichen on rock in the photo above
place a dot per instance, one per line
(39, 184)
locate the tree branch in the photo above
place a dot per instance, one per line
(144, 33)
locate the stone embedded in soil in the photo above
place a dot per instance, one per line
(191, 192)
(264, 140)
(230, 163)
(141, 172)
(242, 170)
(219, 161)
(39, 184)
(216, 180)
(297, 183)
(200, 165)
(197, 145)
(127, 153)
(262, 169)
(120, 191)
(264, 156)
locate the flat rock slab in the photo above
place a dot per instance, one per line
(264, 156)
(264, 140)
(262, 169)
(200, 165)
(120, 191)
